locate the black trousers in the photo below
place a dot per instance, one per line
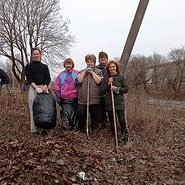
(103, 114)
(94, 111)
(121, 118)
(68, 113)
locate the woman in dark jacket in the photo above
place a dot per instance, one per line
(119, 87)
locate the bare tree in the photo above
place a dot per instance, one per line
(178, 58)
(155, 61)
(25, 24)
(138, 73)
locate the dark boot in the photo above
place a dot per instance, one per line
(125, 138)
(44, 132)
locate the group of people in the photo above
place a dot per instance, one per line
(82, 94)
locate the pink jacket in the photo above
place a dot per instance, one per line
(65, 85)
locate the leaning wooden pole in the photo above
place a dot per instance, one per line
(133, 34)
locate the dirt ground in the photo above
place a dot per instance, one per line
(155, 154)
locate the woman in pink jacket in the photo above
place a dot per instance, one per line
(67, 94)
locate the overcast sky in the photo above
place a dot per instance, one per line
(103, 25)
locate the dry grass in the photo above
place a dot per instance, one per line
(154, 155)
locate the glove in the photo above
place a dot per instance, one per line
(39, 90)
(88, 70)
(58, 101)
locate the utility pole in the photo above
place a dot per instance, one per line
(133, 34)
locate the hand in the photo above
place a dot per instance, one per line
(45, 88)
(110, 80)
(59, 101)
(115, 89)
(88, 70)
(39, 90)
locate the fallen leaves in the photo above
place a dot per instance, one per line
(151, 157)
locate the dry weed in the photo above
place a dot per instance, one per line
(155, 153)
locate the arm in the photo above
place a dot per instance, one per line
(124, 87)
(29, 77)
(119, 86)
(57, 89)
(57, 86)
(33, 85)
(96, 77)
(48, 78)
(81, 76)
(28, 74)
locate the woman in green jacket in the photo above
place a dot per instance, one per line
(119, 87)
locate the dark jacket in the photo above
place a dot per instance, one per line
(4, 77)
(102, 68)
(118, 81)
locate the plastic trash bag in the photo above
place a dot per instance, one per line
(44, 111)
(81, 175)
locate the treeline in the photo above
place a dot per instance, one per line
(158, 75)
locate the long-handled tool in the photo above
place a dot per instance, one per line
(114, 116)
(87, 120)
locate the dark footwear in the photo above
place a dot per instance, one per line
(35, 133)
(44, 132)
(102, 125)
(124, 138)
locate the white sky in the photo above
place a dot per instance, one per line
(103, 25)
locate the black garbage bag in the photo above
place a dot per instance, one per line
(44, 111)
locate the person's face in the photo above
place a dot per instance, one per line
(90, 63)
(36, 56)
(112, 69)
(103, 60)
(68, 66)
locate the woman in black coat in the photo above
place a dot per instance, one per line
(119, 87)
